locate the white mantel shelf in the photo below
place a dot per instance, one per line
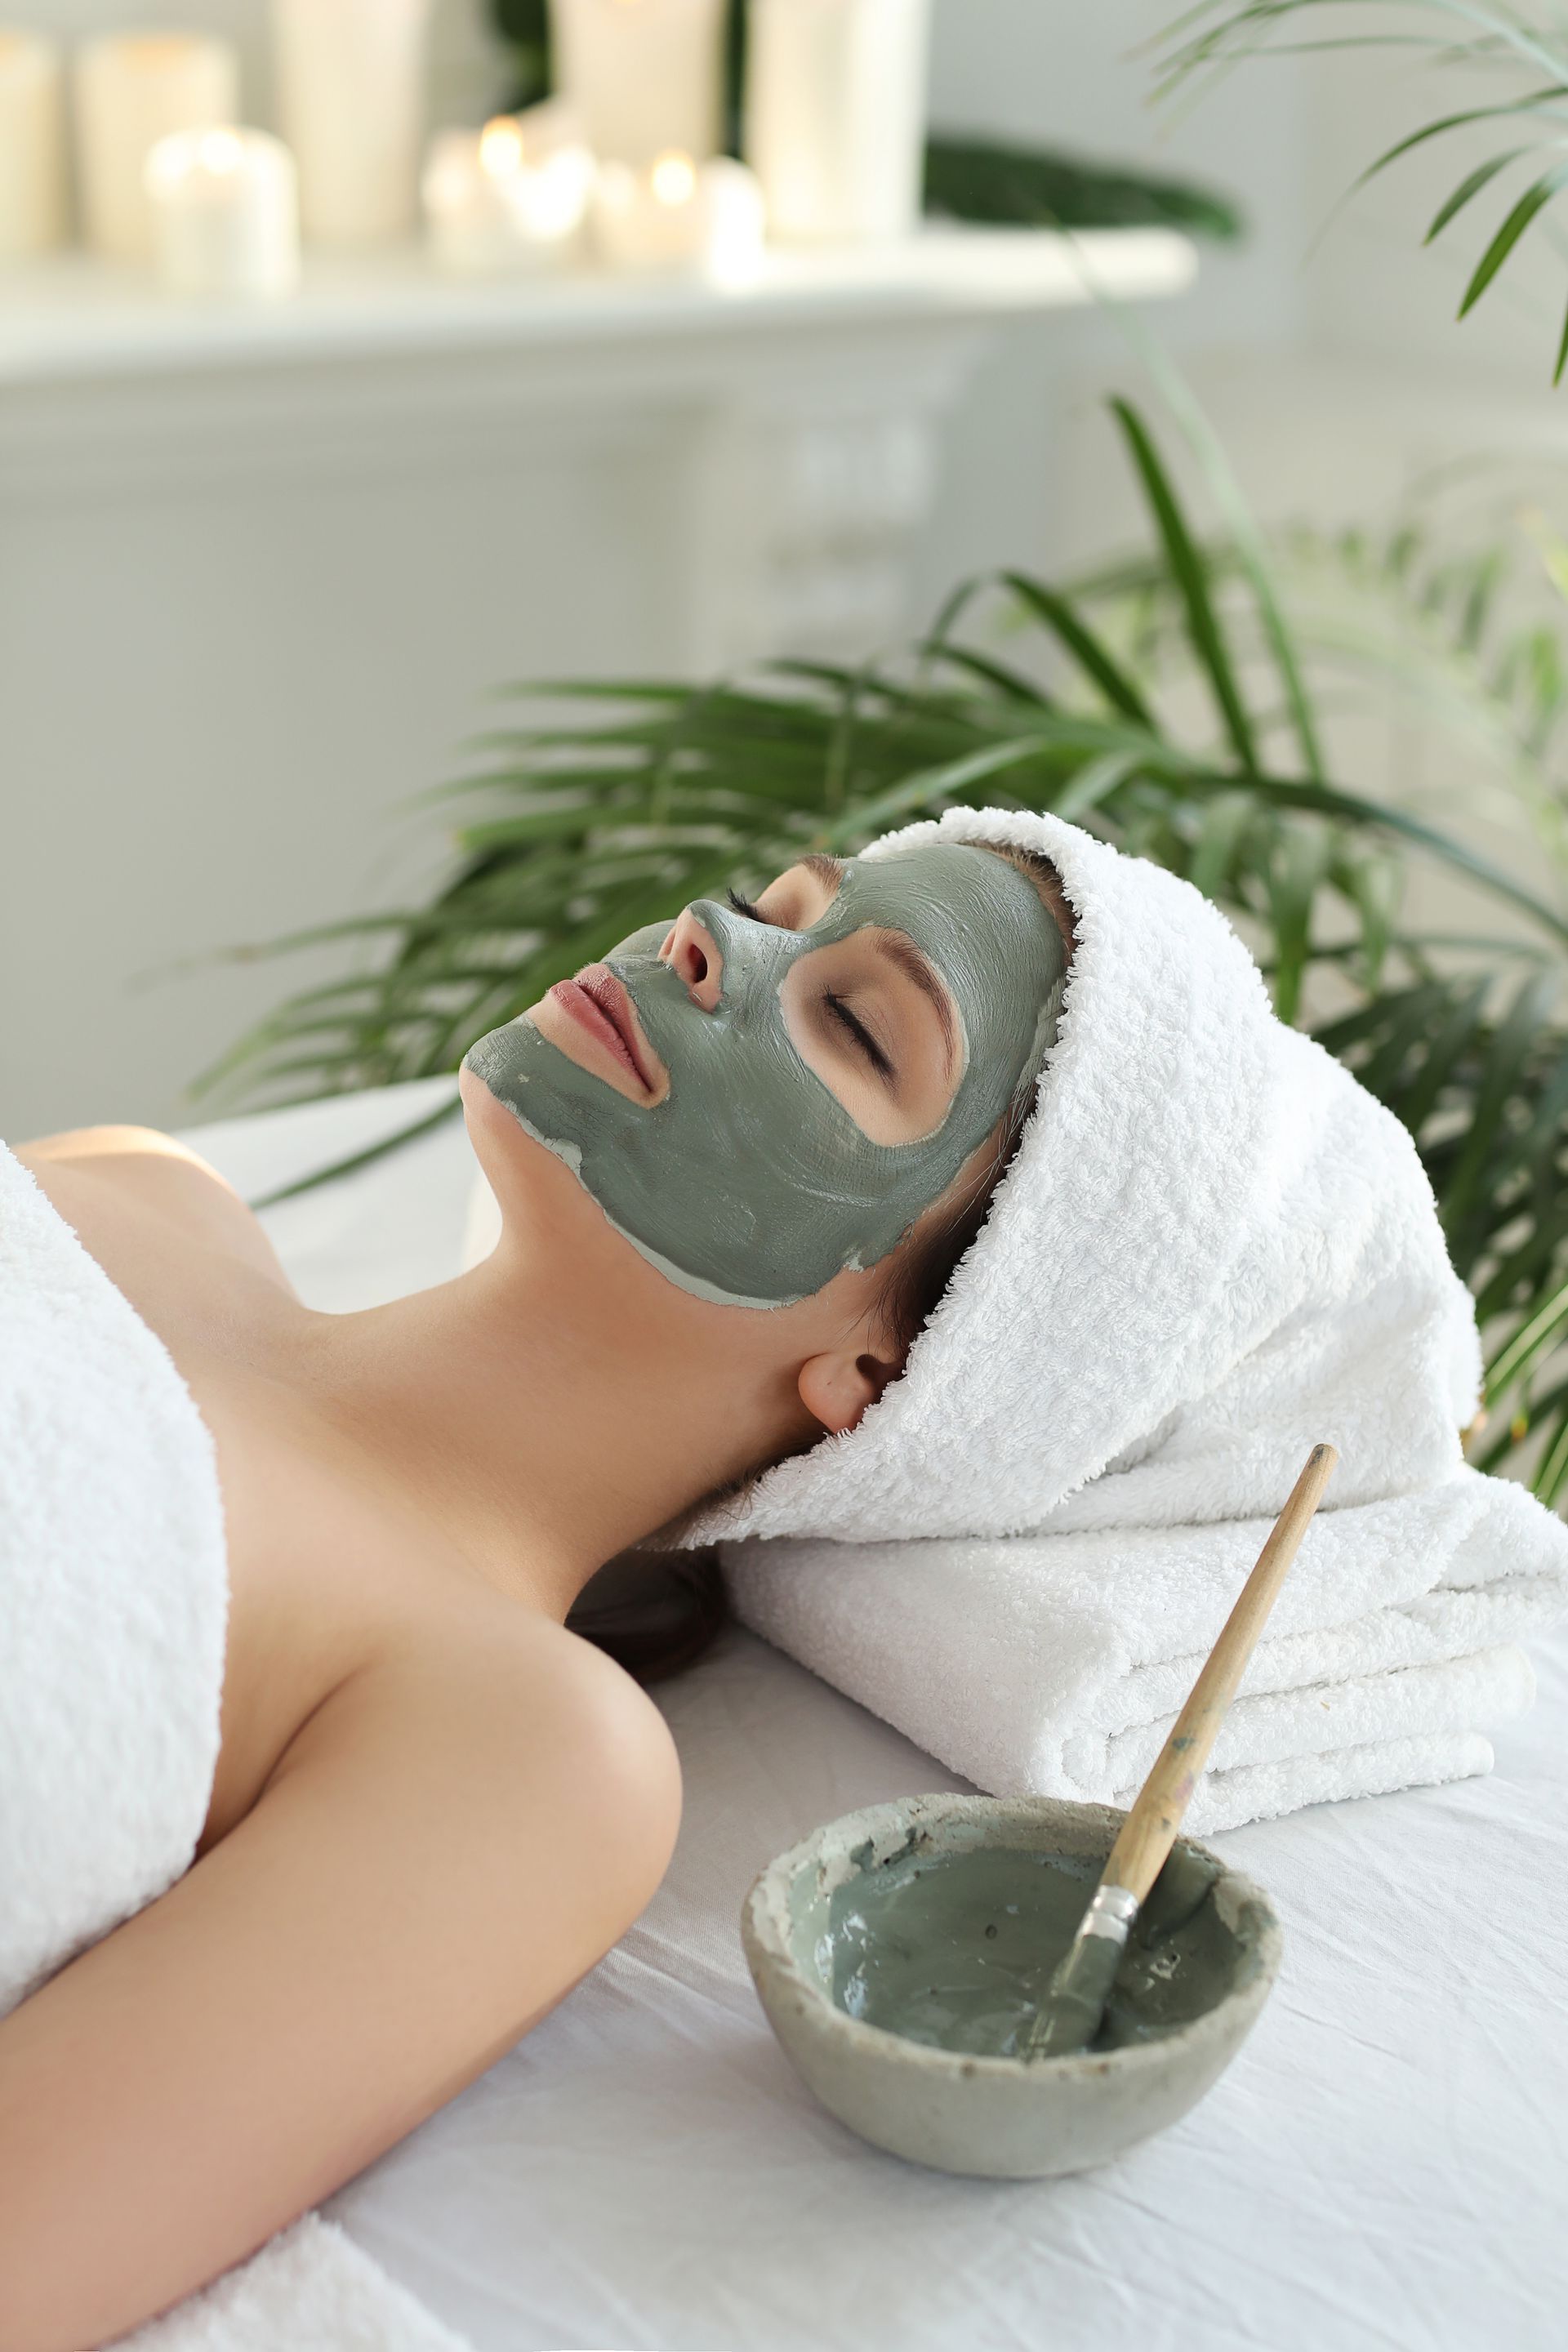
(77, 321)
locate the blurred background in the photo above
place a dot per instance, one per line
(261, 563)
(478, 474)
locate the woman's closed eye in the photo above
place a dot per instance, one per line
(840, 1018)
(848, 1021)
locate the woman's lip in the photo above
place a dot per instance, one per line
(597, 1001)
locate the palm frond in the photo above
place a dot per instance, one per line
(1205, 42)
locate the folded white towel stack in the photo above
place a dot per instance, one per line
(1213, 1249)
(115, 1601)
(1056, 1664)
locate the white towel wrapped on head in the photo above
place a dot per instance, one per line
(1213, 1249)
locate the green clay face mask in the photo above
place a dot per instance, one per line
(750, 1183)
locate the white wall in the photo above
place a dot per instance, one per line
(1033, 478)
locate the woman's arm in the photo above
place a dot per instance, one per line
(450, 1843)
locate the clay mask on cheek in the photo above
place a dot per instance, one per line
(749, 1184)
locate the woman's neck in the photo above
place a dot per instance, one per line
(541, 1436)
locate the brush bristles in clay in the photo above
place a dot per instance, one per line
(1069, 2016)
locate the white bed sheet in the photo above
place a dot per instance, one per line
(1384, 2165)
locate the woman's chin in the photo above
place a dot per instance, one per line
(502, 1145)
(537, 1192)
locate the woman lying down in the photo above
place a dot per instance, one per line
(312, 1804)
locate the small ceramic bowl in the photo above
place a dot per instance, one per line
(823, 1923)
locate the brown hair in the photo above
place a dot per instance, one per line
(656, 1614)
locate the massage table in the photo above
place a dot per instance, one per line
(1384, 2165)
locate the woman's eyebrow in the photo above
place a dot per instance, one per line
(906, 958)
(829, 871)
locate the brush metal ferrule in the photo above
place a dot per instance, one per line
(1111, 1914)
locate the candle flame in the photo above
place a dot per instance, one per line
(221, 151)
(673, 178)
(501, 148)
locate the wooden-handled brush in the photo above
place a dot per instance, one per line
(1069, 2014)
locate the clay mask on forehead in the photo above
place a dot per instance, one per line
(749, 1184)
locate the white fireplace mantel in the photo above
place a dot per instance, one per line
(804, 409)
(74, 319)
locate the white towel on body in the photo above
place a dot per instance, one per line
(1213, 1249)
(115, 1601)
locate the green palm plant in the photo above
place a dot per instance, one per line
(1459, 640)
(1525, 49)
(580, 828)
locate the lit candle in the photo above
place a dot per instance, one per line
(835, 115)
(694, 220)
(226, 213)
(32, 181)
(350, 85)
(510, 196)
(644, 75)
(131, 90)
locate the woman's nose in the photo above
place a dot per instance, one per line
(694, 951)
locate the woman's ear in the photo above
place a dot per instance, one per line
(837, 1387)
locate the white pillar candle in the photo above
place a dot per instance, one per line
(226, 213)
(350, 86)
(701, 220)
(510, 196)
(644, 76)
(835, 115)
(131, 90)
(32, 153)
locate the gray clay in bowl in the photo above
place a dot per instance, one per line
(895, 1951)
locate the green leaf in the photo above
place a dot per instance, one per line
(1224, 827)
(983, 179)
(1010, 683)
(1081, 643)
(1534, 200)
(1542, 1331)
(1444, 1045)
(1188, 571)
(1480, 178)
(1551, 1478)
(1518, 1033)
(1528, 104)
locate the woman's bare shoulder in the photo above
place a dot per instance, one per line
(518, 1733)
(509, 1686)
(113, 1142)
(141, 1169)
(455, 1838)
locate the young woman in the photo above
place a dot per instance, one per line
(736, 1164)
